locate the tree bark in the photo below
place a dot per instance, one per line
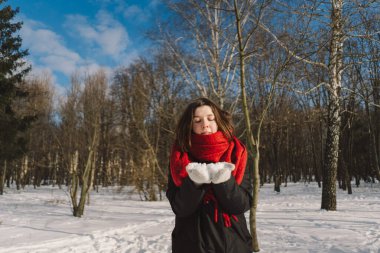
(74, 183)
(253, 145)
(2, 177)
(330, 166)
(374, 159)
(86, 177)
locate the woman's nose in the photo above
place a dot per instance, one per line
(205, 124)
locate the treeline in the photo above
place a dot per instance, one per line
(118, 129)
(128, 122)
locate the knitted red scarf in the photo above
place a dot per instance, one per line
(211, 148)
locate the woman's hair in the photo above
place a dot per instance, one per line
(185, 123)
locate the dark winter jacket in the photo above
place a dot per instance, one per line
(195, 229)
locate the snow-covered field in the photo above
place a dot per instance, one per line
(40, 220)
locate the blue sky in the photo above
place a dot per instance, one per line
(64, 36)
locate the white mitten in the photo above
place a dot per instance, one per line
(223, 173)
(198, 173)
(213, 168)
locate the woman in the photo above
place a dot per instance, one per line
(207, 189)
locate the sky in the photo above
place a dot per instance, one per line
(116, 221)
(64, 36)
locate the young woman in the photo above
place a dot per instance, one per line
(207, 189)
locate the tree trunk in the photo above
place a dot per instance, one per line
(252, 212)
(277, 182)
(253, 145)
(2, 177)
(85, 184)
(74, 183)
(86, 177)
(330, 166)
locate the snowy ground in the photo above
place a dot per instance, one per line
(40, 220)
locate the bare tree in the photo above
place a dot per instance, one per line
(145, 95)
(335, 68)
(81, 115)
(248, 15)
(41, 142)
(342, 23)
(201, 49)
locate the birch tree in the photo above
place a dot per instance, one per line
(335, 68)
(341, 19)
(202, 51)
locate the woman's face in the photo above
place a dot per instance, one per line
(204, 120)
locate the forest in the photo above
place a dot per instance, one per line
(301, 79)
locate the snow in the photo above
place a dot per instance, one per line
(40, 220)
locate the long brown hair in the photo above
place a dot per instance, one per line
(185, 123)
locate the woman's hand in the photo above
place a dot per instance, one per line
(198, 173)
(220, 172)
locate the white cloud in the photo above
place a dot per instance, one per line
(79, 26)
(133, 10)
(122, 6)
(46, 48)
(154, 3)
(51, 52)
(62, 63)
(136, 13)
(107, 36)
(48, 54)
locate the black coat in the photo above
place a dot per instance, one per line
(196, 231)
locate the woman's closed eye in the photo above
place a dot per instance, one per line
(198, 120)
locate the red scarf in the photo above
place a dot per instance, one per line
(210, 148)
